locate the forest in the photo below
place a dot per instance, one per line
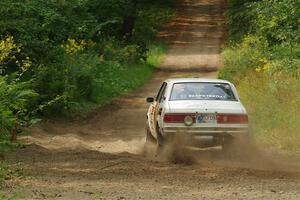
(62, 58)
(262, 56)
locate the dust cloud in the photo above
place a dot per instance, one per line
(249, 156)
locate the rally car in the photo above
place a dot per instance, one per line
(206, 111)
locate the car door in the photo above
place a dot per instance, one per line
(154, 109)
(161, 106)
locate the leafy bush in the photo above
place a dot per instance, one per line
(65, 57)
(276, 20)
(263, 58)
(240, 58)
(16, 95)
(238, 18)
(156, 53)
(15, 101)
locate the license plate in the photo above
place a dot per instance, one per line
(207, 118)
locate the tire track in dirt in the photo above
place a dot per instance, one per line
(100, 157)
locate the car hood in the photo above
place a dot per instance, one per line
(202, 106)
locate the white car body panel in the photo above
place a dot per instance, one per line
(203, 106)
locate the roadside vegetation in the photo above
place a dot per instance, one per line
(262, 57)
(64, 58)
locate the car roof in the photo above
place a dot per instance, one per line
(203, 80)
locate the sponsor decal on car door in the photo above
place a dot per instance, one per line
(152, 118)
(154, 109)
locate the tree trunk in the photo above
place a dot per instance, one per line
(14, 129)
(129, 20)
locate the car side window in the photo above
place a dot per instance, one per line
(161, 90)
(163, 93)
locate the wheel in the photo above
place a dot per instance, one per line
(150, 144)
(173, 149)
(160, 139)
(149, 137)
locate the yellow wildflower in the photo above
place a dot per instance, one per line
(266, 67)
(7, 49)
(72, 46)
(258, 69)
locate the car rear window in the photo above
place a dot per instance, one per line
(202, 91)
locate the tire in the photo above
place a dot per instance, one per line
(160, 142)
(160, 138)
(149, 137)
(150, 144)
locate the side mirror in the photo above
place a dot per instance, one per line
(150, 99)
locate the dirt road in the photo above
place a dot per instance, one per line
(100, 157)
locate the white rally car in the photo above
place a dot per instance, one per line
(207, 111)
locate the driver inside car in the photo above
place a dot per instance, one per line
(180, 92)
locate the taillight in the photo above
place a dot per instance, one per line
(232, 119)
(177, 118)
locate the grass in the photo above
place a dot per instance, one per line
(113, 80)
(8, 173)
(157, 51)
(268, 82)
(10, 182)
(17, 193)
(272, 102)
(4, 172)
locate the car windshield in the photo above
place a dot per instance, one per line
(202, 91)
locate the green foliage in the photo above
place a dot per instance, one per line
(276, 20)
(263, 58)
(149, 20)
(15, 99)
(271, 101)
(240, 58)
(9, 177)
(64, 57)
(238, 18)
(156, 53)
(4, 172)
